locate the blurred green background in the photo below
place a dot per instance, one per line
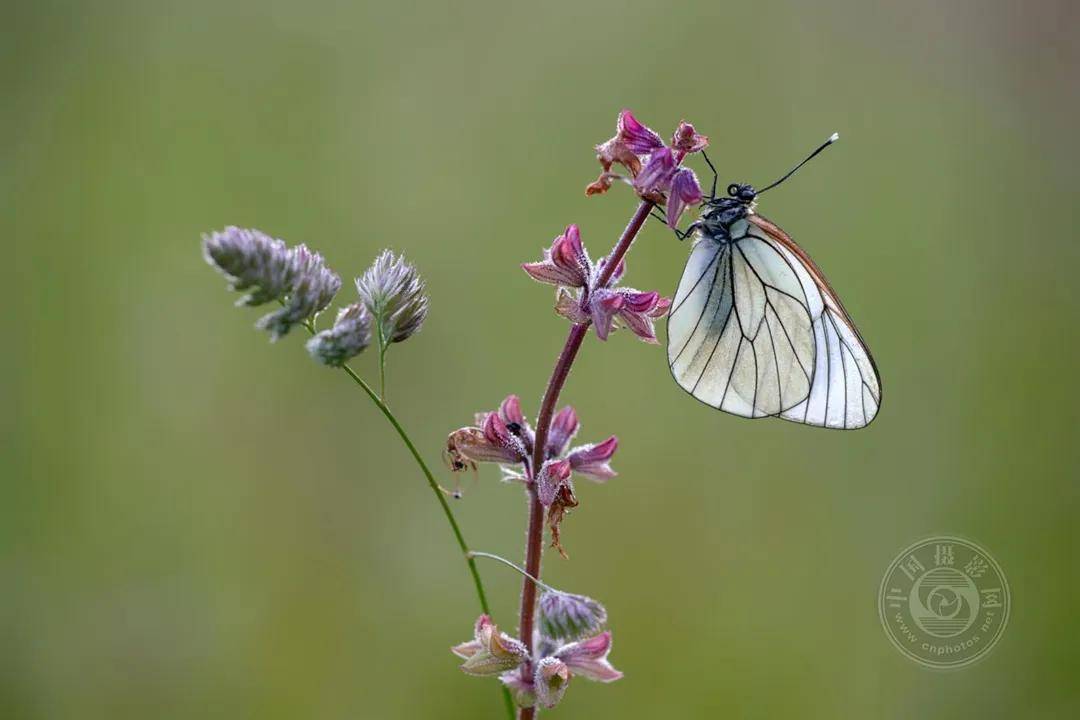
(196, 523)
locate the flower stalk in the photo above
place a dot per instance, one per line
(534, 538)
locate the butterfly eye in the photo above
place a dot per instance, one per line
(733, 190)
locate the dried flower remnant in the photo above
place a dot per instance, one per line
(394, 294)
(349, 336)
(296, 277)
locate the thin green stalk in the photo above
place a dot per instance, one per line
(382, 361)
(504, 561)
(431, 482)
(469, 559)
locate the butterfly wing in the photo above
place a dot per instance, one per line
(846, 387)
(756, 331)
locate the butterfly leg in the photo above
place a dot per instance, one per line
(681, 234)
(715, 175)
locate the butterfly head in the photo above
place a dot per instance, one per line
(720, 212)
(745, 194)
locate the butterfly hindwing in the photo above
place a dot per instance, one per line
(846, 391)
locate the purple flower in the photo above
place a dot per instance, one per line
(565, 263)
(588, 658)
(490, 441)
(624, 307)
(655, 178)
(552, 672)
(504, 436)
(632, 140)
(653, 166)
(490, 652)
(593, 461)
(685, 191)
(565, 617)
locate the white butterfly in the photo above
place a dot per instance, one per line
(756, 330)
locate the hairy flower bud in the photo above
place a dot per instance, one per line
(569, 617)
(550, 681)
(348, 337)
(251, 260)
(393, 292)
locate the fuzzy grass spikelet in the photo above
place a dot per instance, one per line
(394, 294)
(349, 336)
(251, 260)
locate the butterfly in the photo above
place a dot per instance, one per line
(756, 330)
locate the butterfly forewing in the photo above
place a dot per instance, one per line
(755, 330)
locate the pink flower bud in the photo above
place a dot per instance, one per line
(564, 427)
(687, 139)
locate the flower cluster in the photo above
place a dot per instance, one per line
(270, 270)
(653, 166)
(542, 679)
(504, 436)
(582, 299)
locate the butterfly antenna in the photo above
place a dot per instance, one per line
(832, 138)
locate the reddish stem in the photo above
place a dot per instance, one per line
(534, 543)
